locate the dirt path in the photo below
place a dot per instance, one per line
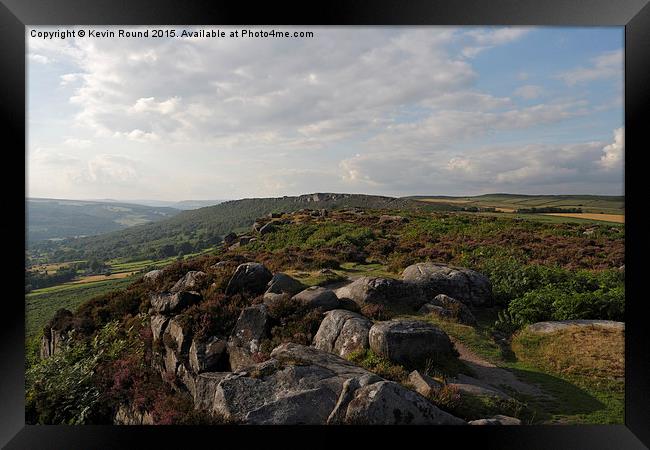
(490, 375)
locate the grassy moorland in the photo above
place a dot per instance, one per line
(539, 271)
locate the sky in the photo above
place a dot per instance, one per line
(379, 110)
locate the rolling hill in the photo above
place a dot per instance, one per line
(198, 229)
(606, 204)
(60, 219)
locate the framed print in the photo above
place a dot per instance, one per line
(351, 220)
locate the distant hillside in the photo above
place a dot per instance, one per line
(183, 204)
(198, 229)
(608, 204)
(58, 219)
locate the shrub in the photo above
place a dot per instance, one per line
(379, 365)
(563, 302)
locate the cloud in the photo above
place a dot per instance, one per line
(608, 65)
(108, 169)
(484, 39)
(78, 143)
(40, 59)
(614, 152)
(529, 91)
(382, 110)
(525, 169)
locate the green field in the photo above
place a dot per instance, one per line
(41, 305)
(588, 203)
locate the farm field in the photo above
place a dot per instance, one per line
(511, 202)
(41, 305)
(617, 218)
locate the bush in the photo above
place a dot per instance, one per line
(561, 302)
(379, 365)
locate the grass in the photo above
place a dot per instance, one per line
(41, 305)
(582, 369)
(590, 359)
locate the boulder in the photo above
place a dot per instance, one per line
(272, 300)
(158, 324)
(423, 384)
(304, 385)
(450, 308)
(250, 278)
(205, 387)
(468, 286)
(409, 342)
(190, 282)
(170, 363)
(393, 294)
(166, 303)
(342, 332)
(389, 403)
(496, 420)
(471, 386)
(256, 226)
(187, 378)
(430, 308)
(52, 342)
(243, 240)
(253, 325)
(230, 239)
(177, 337)
(268, 228)
(318, 297)
(207, 355)
(282, 283)
(153, 276)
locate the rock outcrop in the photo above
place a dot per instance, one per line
(250, 278)
(447, 306)
(190, 282)
(496, 420)
(253, 325)
(317, 297)
(304, 385)
(207, 355)
(392, 294)
(282, 283)
(409, 342)
(342, 332)
(153, 276)
(468, 286)
(423, 384)
(167, 303)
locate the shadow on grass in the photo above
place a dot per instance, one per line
(567, 398)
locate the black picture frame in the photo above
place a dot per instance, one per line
(634, 15)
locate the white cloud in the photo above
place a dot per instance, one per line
(39, 58)
(107, 169)
(529, 91)
(78, 143)
(614, 152)
(385, 110)
(605, 66)
(484, 39)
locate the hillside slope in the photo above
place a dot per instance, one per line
(58, 219)
(197, 229)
